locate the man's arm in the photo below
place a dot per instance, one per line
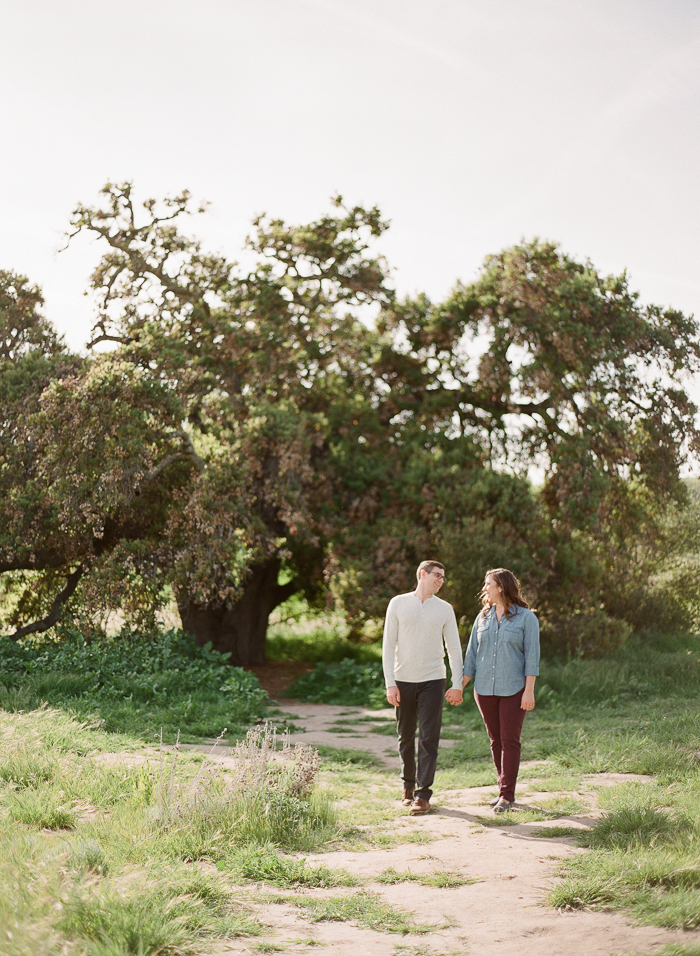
(391, 636)
(450, 635)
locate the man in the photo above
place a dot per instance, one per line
(416, 627)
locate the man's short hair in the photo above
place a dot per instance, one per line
(429, 566)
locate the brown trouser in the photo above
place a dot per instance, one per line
(421, 704)
(503, 718)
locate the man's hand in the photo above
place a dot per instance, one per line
(393, 696)
(453, 696)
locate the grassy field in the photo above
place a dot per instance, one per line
(163, 852)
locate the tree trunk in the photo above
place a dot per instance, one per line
(241, 629)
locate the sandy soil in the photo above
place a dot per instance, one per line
(503, 913)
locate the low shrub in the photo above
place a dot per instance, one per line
(343, 682)
(131, 681)
(269, 799)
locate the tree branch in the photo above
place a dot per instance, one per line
(52, 617)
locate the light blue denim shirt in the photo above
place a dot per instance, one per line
(501, 656)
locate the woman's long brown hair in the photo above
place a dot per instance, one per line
(510, 588)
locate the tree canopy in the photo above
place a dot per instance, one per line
(243, 435)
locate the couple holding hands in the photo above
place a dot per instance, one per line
(502, 656)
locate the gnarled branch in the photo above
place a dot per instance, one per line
(52, 617)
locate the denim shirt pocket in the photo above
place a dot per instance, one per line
(512, 633)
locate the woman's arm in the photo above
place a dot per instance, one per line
(469, 668)
(527, 701)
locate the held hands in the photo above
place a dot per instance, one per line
(453, 696)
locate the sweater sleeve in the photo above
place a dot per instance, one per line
(391, 635)
(450, 634)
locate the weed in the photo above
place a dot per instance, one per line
(88, 856)
(552, 832)
(412, 951)
(166, 916)
(440, 878)
(26, 770)
(547, 810)
(264, 864)
(339, 756)
(40, 808)
(637, 826)
(268, 800)
(363, 909)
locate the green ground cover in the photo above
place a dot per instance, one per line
(140, 686)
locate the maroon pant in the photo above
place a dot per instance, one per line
(503, 718)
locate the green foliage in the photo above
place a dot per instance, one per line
(248, 437)
(342, 682)
(137, 684)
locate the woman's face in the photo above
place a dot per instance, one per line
(492, 592)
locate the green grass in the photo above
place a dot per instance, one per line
(552, 832)
(545, 810)
(90, 839)
(363, 909)
(264, 864)
(332, 757)
(133, 873)
(439, 878)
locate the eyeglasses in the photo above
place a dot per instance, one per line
(438, 575)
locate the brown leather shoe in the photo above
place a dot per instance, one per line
(419, 807)
(407, 798)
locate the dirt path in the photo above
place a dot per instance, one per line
(500, 914)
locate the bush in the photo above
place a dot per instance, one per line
(589, 633)
(167, 679)
(269, 801)
(343, 682)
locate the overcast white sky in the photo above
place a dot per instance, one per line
(471, 123)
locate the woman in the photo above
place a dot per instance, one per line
(503, 656)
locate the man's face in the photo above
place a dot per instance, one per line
(434, 579)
